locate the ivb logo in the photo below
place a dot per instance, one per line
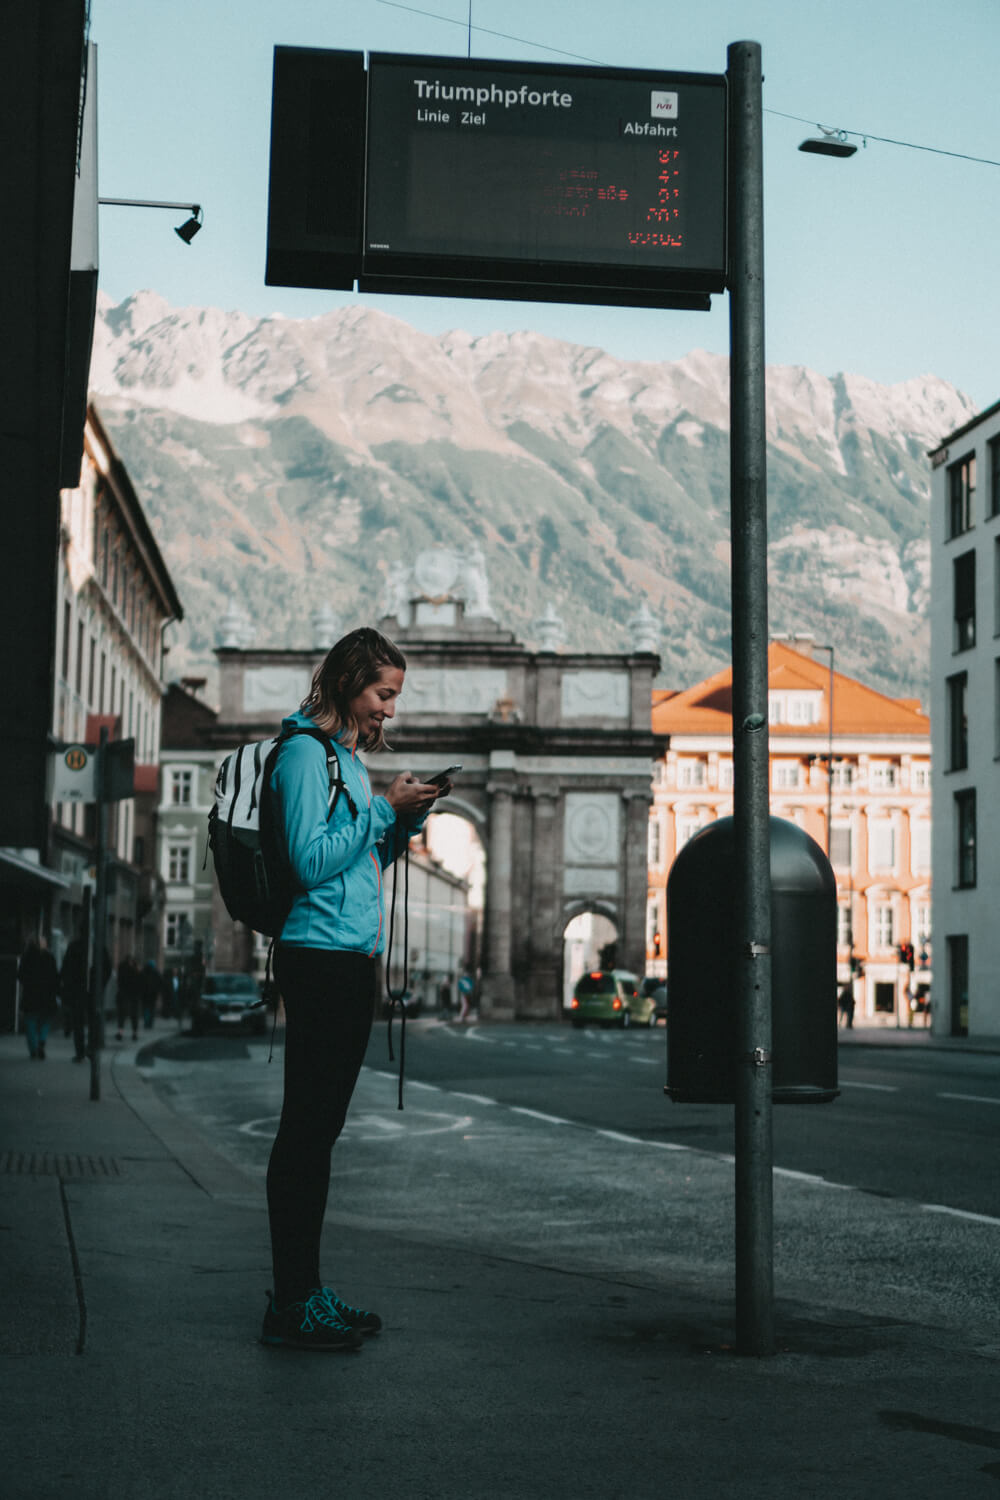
(662, 106)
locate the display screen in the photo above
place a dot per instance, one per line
(541, 173)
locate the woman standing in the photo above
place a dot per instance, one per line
(325, 962)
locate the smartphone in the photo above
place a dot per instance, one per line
(441, 777)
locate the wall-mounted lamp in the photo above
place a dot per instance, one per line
(829, 143)
(185, 231)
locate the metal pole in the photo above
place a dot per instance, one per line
(748, 477)
(100, 921)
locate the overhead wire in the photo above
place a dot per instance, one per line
(862, 135)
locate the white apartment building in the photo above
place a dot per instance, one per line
(114, 601)
(965, 726)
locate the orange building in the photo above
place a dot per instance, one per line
(874, 819)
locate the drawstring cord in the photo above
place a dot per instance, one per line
(400, 997)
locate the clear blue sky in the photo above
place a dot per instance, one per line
(884, 265)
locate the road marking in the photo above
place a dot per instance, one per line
(654, 1062)
(536, 1114)
(878, 1088)
(473, 1098)
(970, 1098)
(432, 1088)
(959, 1213)
(616, 1135)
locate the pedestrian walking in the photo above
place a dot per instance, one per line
(466, 988)
(127, 998)
(39, 978)
(324, 963)
(73, 987)
(846, 1004)
(149, 992)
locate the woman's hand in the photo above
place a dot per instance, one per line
(407, 794)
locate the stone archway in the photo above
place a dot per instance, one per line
(557, 755)
(586, 937)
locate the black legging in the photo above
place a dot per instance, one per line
(329, 999)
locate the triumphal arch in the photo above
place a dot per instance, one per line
(557, 759)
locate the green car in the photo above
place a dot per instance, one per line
(611, 996)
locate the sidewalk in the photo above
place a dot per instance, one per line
(134, 1263)
(867, 1035)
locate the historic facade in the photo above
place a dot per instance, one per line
(556, 753)
(873, 817)
(115, 599)
(965, 714)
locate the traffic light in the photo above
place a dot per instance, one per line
(657, 943)
(906, 954)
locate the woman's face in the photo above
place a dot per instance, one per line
(376, 703)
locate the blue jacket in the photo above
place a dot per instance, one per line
(338, 863)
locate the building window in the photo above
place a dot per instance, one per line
(882, 776)
(655, 852)
(840, 848)
(885, 926)
(881, 845)
(179, 864)
(996, 585)
(920, 776)
(725, 775)
(844, 925)
(687, 828)
(66, 637)
(964, 579)
(961, 489)
(690, 773)
(803, 708)
(81, 637)
(787, 775)
(180, 788)
(177, 930)
(843, 775)
(993, 452)
(965, 830)
(91, 660)
(920, 846)
(958, 721)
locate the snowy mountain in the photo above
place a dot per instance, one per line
(291, 463)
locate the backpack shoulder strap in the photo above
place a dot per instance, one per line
(333, 768)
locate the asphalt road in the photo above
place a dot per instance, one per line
(559, 1147)
(918, 1126)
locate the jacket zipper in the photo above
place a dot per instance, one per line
(371, 853)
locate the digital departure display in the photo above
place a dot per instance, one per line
(519, 171)
(465, 178)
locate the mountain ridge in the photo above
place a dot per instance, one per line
(289, 463)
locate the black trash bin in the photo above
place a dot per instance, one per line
(703, 1037)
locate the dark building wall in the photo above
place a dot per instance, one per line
(40, 72)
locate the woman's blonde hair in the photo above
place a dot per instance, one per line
(350, 666)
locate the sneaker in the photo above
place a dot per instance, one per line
(355, 1317)
(311, 1324)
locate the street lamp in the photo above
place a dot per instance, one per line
(829, 754)
(185, 231)
(828, 143)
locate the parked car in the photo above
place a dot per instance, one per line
(612, 998)
(656, 989)
(231, 1002)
